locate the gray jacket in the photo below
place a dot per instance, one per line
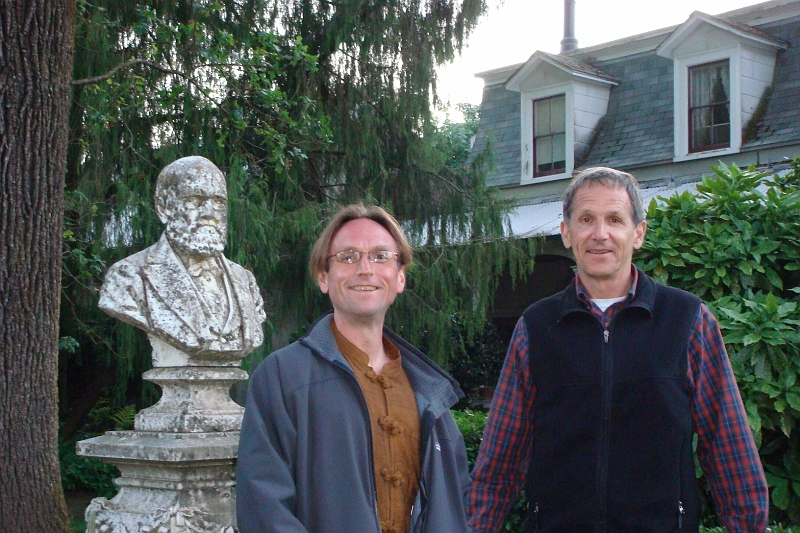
(305, 454)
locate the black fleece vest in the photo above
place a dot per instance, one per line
(612, 443)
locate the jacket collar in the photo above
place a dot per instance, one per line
(429, 381)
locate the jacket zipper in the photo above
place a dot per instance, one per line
(681, 512)
(425, 430)
(536, 517)
(365, 412)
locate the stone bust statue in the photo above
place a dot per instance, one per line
(197, 307)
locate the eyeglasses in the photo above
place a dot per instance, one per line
(351, 257)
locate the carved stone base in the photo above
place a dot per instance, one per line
(170, 483)
(193, 399)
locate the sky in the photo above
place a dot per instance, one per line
(511, 32)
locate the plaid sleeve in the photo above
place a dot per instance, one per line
(725, 446)
(506, 447)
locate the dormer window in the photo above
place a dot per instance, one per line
(562, 101)
(709, 106)
(549, 136)
(721, 73)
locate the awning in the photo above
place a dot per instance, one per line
(545, 218)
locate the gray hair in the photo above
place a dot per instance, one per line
(608, 177)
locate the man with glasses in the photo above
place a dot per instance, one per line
(349, 429)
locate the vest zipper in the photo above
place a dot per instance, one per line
(681, 512)
(602, 473)
(536, 517)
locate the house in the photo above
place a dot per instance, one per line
(664, 105)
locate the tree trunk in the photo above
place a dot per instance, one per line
(35, 73)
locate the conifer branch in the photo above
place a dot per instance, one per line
(110, 73)
(151, 64)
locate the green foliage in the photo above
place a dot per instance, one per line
(737, 245)
(86, 473)
(776, 528)
(471, 424)
(476, 362)
(124, 418)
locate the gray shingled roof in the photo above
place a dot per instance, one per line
(638, 125)
(579, 67)
(754, 31)
(500, 127)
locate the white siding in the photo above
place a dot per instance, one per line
(757, 68)
(545, 76)
(705, 39)
(591, 103)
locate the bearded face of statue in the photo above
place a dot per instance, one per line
(195, 211)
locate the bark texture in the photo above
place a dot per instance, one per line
(35, 72)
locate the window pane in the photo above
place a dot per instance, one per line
(541, 117)
(722, 134)
(709, 84)
(558, 114)
(701, 127)
(721, 85)
(544, 154)
(720, 114)
(559, 151)
(700, 90)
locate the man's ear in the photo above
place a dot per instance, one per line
(322, 281)
(638, 238)
(401, 279)
(565, 235)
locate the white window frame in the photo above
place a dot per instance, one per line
(526, 145)
(681, 93)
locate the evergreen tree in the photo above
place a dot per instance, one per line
(306, 105)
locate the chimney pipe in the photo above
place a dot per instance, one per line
(569, 42)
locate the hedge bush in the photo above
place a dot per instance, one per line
(472, 424)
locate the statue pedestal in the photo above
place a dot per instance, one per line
(178, 464)
(193, 399)
(171, 482)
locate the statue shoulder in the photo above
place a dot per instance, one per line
(122, 295)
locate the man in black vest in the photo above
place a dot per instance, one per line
(604, 386)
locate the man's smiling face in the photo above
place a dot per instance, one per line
(363, 291)
(603, 236)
